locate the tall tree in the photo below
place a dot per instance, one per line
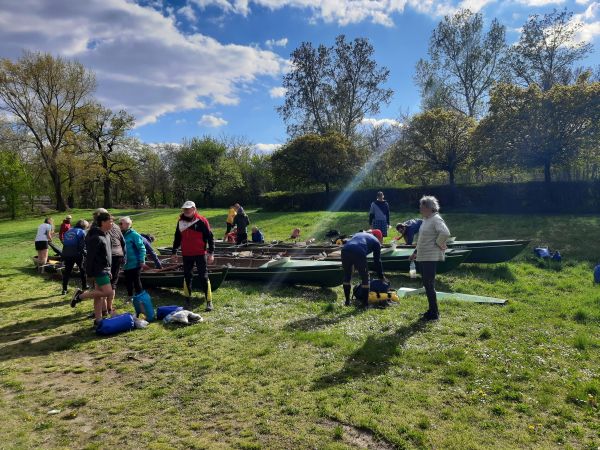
(107, 131)
(464, 62)
(316, 159)
(547, 50)
(440, 139)
(46, 94)
(536, 128)
(333, 88)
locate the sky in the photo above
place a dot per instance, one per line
(188, 68)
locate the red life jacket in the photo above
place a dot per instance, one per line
(194, 235)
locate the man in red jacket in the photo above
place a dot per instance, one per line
(194, 235)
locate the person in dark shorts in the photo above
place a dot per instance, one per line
(354, 256)
(97, 265)
(195, 237)
(73, 252)
(43, 236)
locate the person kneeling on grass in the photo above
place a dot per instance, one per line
(97, 265)
(354, 255)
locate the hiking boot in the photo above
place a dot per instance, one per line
(209, 306)
(76, 299)
(428, 316)
(64, 292)
(347, 303)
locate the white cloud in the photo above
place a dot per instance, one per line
(276, 43)
(180, 121)
(344, 12)
(266, 148)
(187, 12)
(209, 120)
(474, 5)
(590, 23)
(143, 63)
(380, 122)
(541, 2)
(277, 92)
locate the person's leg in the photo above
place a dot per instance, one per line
(69, 263)
(43, 256)
(188, 274)
(129, 276)
(202, 269)
(82, 275)
(428, 271)
(115, 268)
(103, 289)
(137, 282)
(363, 271)
(347, 268)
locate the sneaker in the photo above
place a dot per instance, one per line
(347, 303)
(209, 306)
(90, 315)
(64, 292)
(428, 316)
(76, 299)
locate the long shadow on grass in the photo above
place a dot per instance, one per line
(373, 358)
(20, 330)
(315, 322)
(40, 346)
(486, 272)
(22, 301)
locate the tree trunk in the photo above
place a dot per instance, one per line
(60, 201)
(327, 187)
(547, 174)
(106, 184)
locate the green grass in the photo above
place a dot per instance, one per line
(291, 367)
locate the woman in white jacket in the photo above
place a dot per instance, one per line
(431, 246)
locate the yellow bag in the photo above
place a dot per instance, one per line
(376, 297)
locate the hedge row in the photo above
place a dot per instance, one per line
(534, 197)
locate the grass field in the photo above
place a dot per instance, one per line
(291, 367)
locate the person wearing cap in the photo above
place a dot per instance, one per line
(379, 215)
(195, 237)
(354, 255)
(97, 265)
(408, 230)
(64, 227)
(431, 247)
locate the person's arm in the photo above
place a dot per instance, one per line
(377, 261)
(443, 233)
(81, 245)
(371, 213)
(387, 213)
(141, 250)
(176, 239)
(49, 233)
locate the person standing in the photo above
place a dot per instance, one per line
(64, 227)
(230, 217)
(43, 236)
(73, 252)
(97, 265)
(195, 237)
(431, 247)
(379, 215)
(136, 257)
(354, 255)
(241, 222)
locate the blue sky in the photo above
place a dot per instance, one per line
(195, 67)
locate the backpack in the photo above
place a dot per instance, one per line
(380, 293)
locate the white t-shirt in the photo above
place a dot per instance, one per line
(42, 232)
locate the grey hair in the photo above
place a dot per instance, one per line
(127, 220)
(99, 211)
(429, 201)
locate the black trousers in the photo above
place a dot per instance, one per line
(188, 271)
(115, 266)
(428, 271)
(241, 238)
(133, 281)
(351, 260)
(229, 227)
(69, 263)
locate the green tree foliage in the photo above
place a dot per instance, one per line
(316, 159)
(333, 88)
(463, 63)
(438, 140)
(547, 50)
(535, 128)
(46, 94)
(200, 166)
(15, 181)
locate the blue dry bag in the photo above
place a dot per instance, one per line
(556, 256)
(114, 325)
(379, 286)
(143, 305)
(164, 311)
(597, 274)
(541, 252)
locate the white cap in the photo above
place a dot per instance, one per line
(188, 204)
(68, 217)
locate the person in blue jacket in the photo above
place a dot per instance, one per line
(408, 230)
(257, 236)
(354, 255)
(136, 257)
(73, 253)
(148, 239)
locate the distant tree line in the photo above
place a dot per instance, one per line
(490, 113)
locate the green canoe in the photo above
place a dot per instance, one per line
(490, 251)
(174, 278)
